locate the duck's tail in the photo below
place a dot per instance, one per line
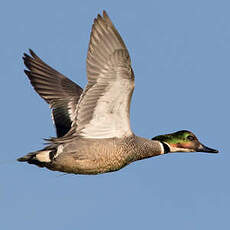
(40, 158)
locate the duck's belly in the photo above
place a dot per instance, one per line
(93, 158)
(92, 167)
(88, 166)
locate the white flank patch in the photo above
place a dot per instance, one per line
(59, 151)
(43, 156)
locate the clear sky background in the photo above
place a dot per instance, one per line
(180, 53)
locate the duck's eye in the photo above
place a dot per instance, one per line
(191, 138)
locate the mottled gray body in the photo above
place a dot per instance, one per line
(93, 126)
(94, 156)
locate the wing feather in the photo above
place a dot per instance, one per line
(59, 92)
(103, 108)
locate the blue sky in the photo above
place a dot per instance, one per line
(180, 53)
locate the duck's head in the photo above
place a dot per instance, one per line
(182, 141)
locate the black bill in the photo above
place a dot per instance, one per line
(203, 148)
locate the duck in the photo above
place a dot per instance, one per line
(93, 129)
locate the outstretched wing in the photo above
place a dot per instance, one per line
(60, 92)
(103, 108)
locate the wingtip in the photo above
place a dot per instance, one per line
(105, 13)
(99, 16)
(32, 53)
(25, 55)
(107, 18)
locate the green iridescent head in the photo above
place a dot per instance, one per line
(183, 141)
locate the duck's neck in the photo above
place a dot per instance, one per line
(150, 148)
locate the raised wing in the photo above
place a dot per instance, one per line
(60, 92)
(103, 109)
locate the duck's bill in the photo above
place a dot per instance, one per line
(206, 149)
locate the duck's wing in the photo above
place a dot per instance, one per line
(59, 92)
(103, 108)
